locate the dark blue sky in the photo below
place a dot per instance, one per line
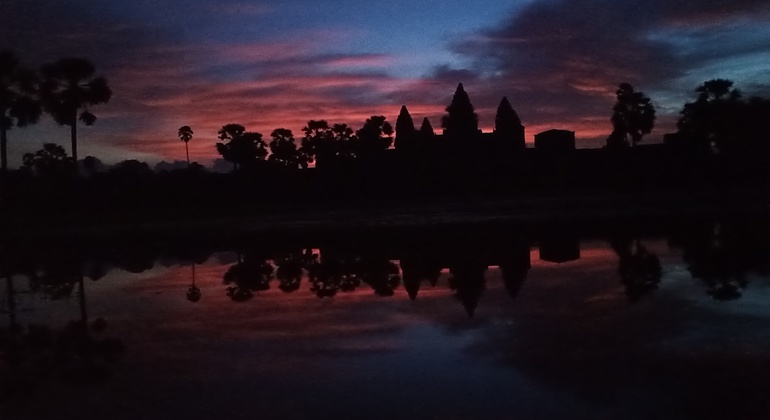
(270, 64)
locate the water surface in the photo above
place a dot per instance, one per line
(663, 320)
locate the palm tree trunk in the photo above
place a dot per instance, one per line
(11, 301)
(74, 138)
(82, 301)
(3, 149)
(187, 151)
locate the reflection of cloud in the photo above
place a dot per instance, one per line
(570, 338)
(576, 332)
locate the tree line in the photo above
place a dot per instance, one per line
(718, 121)
(65, 89)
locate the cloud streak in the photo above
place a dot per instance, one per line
(561, 61)
(558, 62)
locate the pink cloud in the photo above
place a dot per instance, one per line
(361, 60)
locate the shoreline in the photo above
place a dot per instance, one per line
(561, 208)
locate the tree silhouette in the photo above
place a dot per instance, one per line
(283, 148)
(617, 140)
(323, 141)
(712, 122)
(317, 141)
(92, 165)
(186, 134)
(17, 105)
(720, 121)
(51, 160)
(461, 122)
(344, 142)
(370, 136)
(633, 115)
(68, 88)
(406, 135)
(240, 147)
(756, 126)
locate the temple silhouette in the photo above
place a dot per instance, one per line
(460, 137)
(377, 167)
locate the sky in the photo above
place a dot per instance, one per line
(277, 64)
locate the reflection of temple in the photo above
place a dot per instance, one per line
(514, 270)
(559, 249)
(555, 140)
(721, 256)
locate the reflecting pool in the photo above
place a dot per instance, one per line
(629, 319)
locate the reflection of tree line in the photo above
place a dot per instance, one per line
(720, 256)
(340, 272)
(31, 354)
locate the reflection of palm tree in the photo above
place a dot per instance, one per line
(11, 301)
(718, 258)
(96, 269)
(289, 271)
(82, 300)
(379, 273)
(250, 274)
(333, 273)
(56, 280)
(80, 352)
(193, 292)
(69, 85)
(639, 268)
(186, 134)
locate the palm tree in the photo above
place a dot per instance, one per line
(186, 134)
(193, 292)
(370, 136)
(283, 148)
(68, 88)
(633, 115)
(17, 105)
(242, 148)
